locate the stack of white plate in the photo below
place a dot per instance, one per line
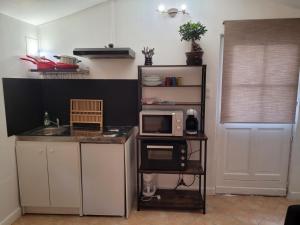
(152, 80)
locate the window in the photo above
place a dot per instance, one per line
(260, 71)
(32, 47)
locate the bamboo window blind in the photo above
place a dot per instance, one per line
(260, 71)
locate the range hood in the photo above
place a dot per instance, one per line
(110, 53)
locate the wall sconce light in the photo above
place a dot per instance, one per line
(172, 12)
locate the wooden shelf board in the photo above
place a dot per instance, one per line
(179, 86)
(143, 66)
(175, 103)
(193, 167)
(174, 199)
(199, 136)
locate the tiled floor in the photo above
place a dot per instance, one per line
(222, 210)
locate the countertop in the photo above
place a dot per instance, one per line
(109, 135)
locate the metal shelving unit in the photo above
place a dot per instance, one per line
(170, 198)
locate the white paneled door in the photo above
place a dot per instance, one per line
(253, 158)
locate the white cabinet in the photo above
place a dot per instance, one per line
(103, 179)
(49, 174)
(33, 174)
(50, 177)
(108, 178)
(64, 174)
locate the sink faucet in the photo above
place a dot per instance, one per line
(47, 121)
(55, 123)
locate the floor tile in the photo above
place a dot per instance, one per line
(221, 210)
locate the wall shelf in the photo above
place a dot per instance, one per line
(61, 72)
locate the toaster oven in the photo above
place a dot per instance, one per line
(163, 155)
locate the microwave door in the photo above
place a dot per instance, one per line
(160, 125)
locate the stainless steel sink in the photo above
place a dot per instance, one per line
(51, 131)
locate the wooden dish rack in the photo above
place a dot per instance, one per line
(86, 111)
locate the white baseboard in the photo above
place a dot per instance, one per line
(294, 195)
(11, 218)
(52, 210)
(251, 191)
(210, 190)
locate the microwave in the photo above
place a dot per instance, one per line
(163, 155)
(161, 123)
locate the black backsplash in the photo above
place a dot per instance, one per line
(119, 98)
(27, 99)
(23, 104)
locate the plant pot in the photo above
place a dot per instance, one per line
(194, 58)
(148, 61)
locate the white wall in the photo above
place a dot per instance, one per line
(294, 185)
(294, 178)
(135, 24)
(12, 45)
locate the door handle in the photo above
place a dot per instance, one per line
(159, 147)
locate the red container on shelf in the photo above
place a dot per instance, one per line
(168, 81)
(41, 63)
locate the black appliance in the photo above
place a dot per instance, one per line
(191, 124)
(163, 155)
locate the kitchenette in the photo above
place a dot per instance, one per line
(144, 112)
(98, 147)
(75, 145)
(81, 171)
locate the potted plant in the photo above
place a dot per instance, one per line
(192, 32)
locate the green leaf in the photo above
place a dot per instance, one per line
(192, 31)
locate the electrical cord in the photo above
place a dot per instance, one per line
(180, 180)
(189, 185)
(191, 153)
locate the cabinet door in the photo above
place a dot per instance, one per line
(64, 174)
(103, 179)
(33, 175)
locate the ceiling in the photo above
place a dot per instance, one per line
(37, 12)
